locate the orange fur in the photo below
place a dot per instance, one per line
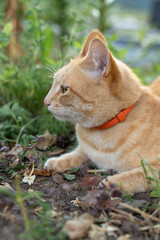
(99, 87)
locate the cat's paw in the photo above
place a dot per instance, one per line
(110, 180)
(59, 165)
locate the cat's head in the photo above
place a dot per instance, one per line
(92, 88)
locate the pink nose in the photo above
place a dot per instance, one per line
(46, 104)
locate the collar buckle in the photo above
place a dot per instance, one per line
(121, 116)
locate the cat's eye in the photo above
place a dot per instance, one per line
(64, 89)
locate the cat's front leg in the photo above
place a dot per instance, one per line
(66, 161)
(131, 181)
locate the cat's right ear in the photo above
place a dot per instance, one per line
(91, 36)
(96, 62)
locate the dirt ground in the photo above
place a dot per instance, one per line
(60, 193)
(116, 215)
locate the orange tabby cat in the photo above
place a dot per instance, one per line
(117, 119)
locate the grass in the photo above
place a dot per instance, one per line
(152, 178)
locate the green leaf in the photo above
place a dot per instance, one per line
(69, 176)
(155, 193)
(48, 42)
(73, 170)
(78, 45)
(8, 28)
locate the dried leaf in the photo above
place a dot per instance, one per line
(45, 141)
(97, 233)
(77, 228)
(14, 154)
(41, 172)
(6, 185)
(17, 149)
(90, 181)
(4, 149)
(54, 153)
(15, 163)
(82, 171)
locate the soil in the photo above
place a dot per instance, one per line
(61, 193)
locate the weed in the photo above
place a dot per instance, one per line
(153, 179)
(127, 195)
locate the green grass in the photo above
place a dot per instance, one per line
(152, 178)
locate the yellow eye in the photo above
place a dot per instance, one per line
(64, 89)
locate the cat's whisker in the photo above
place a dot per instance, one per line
(50, 75)
(51, 69)
(51, 72)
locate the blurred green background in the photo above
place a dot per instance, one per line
(37, 37)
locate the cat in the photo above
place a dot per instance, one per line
(117, 118)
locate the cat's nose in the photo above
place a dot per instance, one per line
(46, 104)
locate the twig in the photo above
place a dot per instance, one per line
(143, 214)
(121, 214)
(97, 171)
(149, 227)
(32, 170)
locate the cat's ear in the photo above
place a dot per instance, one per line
(91, 36)
(97, 59)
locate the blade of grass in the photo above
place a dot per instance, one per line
(22, 129)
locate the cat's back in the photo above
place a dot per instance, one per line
(155, 86)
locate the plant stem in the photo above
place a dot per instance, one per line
(32, 170)
(22, 129)
(22, 207)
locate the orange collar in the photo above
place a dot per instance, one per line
(120, 117)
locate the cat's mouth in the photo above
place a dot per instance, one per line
(59, 114)
(66, 115)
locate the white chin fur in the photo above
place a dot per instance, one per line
(59, 116)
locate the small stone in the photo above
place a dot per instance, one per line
(58, 178)
(75, 185)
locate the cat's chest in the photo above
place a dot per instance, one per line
(102, 150)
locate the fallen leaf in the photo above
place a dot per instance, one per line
(90, 181)
(6, 185)
(45, 141)
(96, 233)
(99, 232)
(78, 227)
(15, 163)
(17, 149)
(73, 170)
(14, 152)
(125, 237)
(69, 176)
(54, 153)
(41, 172)
(4, 149)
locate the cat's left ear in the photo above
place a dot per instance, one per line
(97, 59)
